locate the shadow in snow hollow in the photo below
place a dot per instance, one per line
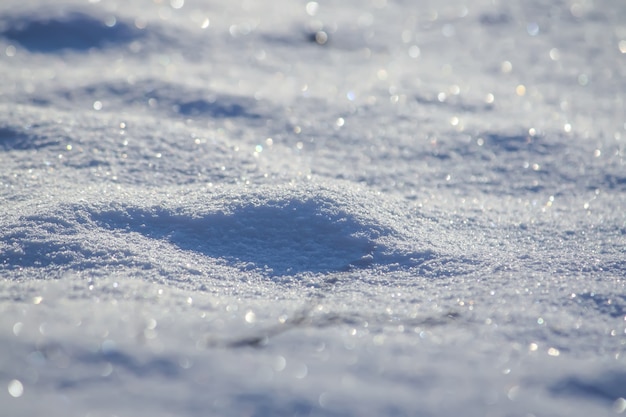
(75, 31)
(286, 238)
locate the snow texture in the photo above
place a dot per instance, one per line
(332, 208)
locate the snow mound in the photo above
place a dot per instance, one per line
(279, 233)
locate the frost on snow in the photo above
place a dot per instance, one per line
(332, 208)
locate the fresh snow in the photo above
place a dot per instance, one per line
(332, 208)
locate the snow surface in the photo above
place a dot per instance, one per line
(332, 208)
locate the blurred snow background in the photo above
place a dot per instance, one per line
(332, 208)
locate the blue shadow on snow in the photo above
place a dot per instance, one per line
(76, 31)
(607, 387)
(176, 99)
(297, 237)
(20, 139)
